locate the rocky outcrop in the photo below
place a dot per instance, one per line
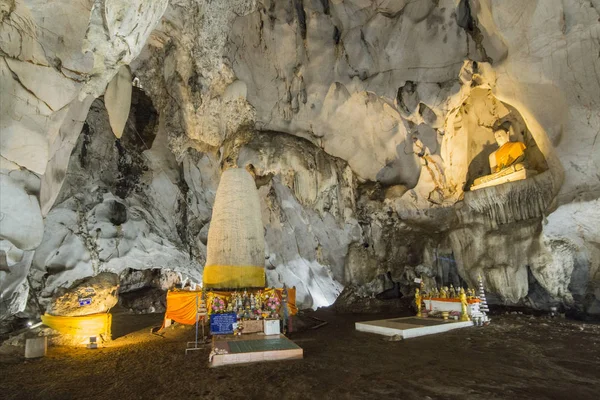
(55, 58)
(308, 214)
(335, 73)
(120, 207)
(97, 294)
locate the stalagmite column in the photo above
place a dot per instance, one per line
(236, 246)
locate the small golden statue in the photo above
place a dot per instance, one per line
(418, 301)
(464, 315)
(259, 300)
(452, 292)
(470, 293)
(444, 292)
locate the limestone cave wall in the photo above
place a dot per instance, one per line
(366, 122)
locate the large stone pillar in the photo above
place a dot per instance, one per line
(236, 246)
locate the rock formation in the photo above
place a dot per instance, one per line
(366, 123)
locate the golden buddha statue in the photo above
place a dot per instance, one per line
(464, 315)
(506, 163)
(418, 301)
(444, 292)
(452, 292)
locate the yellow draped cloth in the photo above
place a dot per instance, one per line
(86, 325)
(508, 154)
(181, 304)
(233, 276)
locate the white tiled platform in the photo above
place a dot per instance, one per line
(255, 348)
(410, 327)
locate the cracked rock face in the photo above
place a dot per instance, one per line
(98, 294)
(55, 58)
(365, 123)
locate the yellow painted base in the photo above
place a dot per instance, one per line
(233, 277)
(86, 325)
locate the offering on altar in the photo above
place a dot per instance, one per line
(457, 302)
(253, 306)
(452, 292)
(259, 300)
(218, 305)
(273, 304)
(443, 292)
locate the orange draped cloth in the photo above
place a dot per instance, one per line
(181, 304)
(291, 301)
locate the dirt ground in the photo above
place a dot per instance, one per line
(517, 357)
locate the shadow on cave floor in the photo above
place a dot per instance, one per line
(516, 357)
(124, 322)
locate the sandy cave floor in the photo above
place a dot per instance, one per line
(517, 357)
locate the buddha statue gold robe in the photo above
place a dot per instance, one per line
(510, 153)
(507, 161)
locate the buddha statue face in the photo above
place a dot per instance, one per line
(502, 137)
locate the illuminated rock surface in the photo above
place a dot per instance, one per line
(365, 123)
(97, 294)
